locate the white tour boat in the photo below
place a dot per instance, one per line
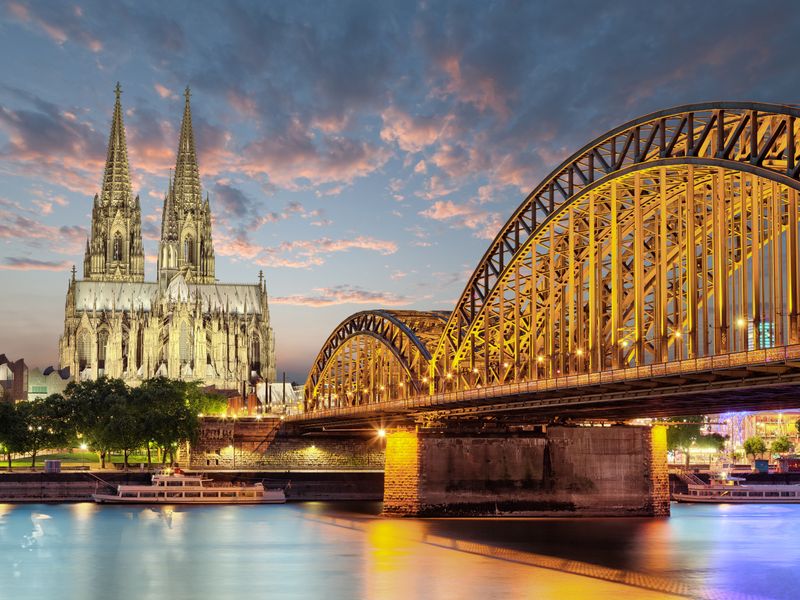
(175, 487)
(730, 490)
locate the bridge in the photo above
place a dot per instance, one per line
(653, 273)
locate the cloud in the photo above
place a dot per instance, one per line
(296, 254)
(61, 25)
(484, 223)
(412, 134)
(164, 91)
(295, 159)
(65, 239)
(12, 263)
(44, 143)
(343, 294)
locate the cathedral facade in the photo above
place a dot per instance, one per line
(183, 325)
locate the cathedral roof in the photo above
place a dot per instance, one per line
(128, 296)
(116, 178)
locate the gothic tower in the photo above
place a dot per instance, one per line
(186, 245)
(114, 251)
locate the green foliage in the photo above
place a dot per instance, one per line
(754, 446)
(45, 425)
(781, 445)
(12, 430)
(109, 416)
(688, 434)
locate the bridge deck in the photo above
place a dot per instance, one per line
(756, 379)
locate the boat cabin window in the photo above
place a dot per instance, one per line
(740, 493)
(756, 494)
(787, 494)
(175, 483)
(191, 494)
(772, 494)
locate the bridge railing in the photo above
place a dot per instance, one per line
(705, 364)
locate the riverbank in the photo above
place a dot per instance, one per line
(298, 485)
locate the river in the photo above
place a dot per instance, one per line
(346, 551)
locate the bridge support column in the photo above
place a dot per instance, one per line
(567, 471)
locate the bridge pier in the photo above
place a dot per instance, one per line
(565, 471)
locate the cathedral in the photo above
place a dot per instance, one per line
(183, 325)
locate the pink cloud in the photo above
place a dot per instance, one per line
(66, 239)
(163, 91)
(412, 134)
(343, 294)
(469, 216)
(479, 89)
(12, 263)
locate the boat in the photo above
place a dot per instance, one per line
(176, 487)
(724, 489)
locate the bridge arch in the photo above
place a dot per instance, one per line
(663, 239)
(375, 355)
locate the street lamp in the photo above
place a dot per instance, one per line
(83, 447)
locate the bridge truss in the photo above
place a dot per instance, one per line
(673, 237)
(375, 356)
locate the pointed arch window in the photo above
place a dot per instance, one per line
(185, 344)
(84, 348)
(255, 354)
(140, 347)
(102, 343)
(188, 250)
(117, 248)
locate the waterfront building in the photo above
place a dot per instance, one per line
(183, 325)
(42, 383)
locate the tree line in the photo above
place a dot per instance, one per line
(109, 416)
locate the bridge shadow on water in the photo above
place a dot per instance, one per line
(714, 552)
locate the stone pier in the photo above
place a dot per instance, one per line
(565, 471)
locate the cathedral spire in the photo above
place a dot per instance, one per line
(187, 177)
(114, 249)
(186, 245)
(116, 178)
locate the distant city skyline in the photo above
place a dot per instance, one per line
(362, 155)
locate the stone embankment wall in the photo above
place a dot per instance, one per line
(298, 486)
(567, 471)
(251, 444)
(62, 487)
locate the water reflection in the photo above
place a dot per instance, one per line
(320, 550)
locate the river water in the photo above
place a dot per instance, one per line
(346, 551)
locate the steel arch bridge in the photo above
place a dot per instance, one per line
(374, 356)
(673, 237)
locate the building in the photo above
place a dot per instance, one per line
(41, 384)
(13, 379)
(183, 325)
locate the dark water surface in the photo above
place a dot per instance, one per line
(343, 550)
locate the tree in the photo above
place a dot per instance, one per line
(688, 434)
(91, 405)
(124, 428)
(781, 445)
(44, 425)
(754, 446)
(12, 430)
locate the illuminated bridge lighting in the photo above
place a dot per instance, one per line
(670, 240)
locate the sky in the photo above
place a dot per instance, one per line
(362, 154)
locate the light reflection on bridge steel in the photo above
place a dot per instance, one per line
(672, 237)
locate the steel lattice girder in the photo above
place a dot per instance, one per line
(757, 139)
(370, 345)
